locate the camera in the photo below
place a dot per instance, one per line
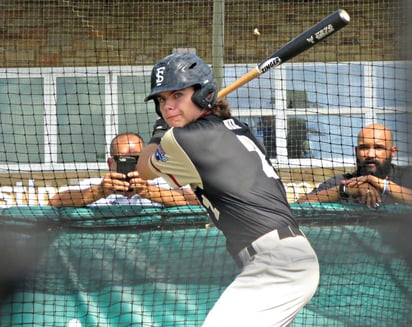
(126, 164)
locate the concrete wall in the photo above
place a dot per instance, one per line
(42, 33)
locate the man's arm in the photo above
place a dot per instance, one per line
(81, 198)
(329, 195)
(111, 183)
(365, 193)
(77, 198)
(328, 191)
(398, 192)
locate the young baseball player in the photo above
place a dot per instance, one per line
(227, 167)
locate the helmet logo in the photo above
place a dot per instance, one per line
(160, 75)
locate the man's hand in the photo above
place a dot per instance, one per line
(377, 183)
(114, 182)
(138, 185)
(366, 189)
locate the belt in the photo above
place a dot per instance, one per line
(282, 233)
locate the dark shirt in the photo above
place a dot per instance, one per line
(232, 178)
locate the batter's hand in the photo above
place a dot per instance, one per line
(159, 129)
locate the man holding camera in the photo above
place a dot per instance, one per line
(122, 184)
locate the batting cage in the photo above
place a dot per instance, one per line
(306, 76)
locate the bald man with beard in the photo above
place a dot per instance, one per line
(375, 181)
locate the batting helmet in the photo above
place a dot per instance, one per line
(179, 71)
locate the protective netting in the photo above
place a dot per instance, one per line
(166, 267)
(74, 73)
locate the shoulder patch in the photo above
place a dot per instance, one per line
(160, 155)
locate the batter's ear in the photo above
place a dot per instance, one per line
(157, 107)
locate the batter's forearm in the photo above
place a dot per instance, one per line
(143, 166)
(179, 197)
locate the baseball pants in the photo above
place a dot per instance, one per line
(279, 276)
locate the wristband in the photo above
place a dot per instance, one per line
(385, 186)
(342, 191)
(157, 136)
(159, 129)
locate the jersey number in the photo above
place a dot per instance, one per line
(206, 203)
(267, 168)
(251, 146)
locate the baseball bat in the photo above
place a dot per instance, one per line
(318, 32)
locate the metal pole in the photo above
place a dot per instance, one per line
(218, 36)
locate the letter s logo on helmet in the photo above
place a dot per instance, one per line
(182, 70)
(159, 75)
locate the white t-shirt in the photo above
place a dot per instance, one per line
(120, 199)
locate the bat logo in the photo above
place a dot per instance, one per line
(268, 64)
(310, 40)
(324, 32)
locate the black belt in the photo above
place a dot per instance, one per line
(283, 232)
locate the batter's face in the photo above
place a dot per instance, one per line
(374, 152)
(177, 107)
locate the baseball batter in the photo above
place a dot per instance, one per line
(227, 168)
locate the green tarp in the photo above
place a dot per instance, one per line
(134, 266)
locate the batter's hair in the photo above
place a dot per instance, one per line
(221, 109)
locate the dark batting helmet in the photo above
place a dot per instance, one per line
(182, 70)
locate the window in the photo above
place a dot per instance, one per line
(264, 128)
(21, 119)
(134, 115)
(400, 123)
(304, 113)
(298, 138)
(80, 116)
(320, 108)
(329, 137)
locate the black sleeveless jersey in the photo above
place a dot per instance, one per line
(227, 168)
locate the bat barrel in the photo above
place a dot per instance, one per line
(326, 27)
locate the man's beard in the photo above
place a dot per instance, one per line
(382, 170)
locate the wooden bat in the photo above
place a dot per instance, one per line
(318, 32)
